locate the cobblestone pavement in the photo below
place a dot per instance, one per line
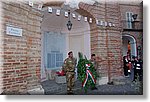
(52, 88)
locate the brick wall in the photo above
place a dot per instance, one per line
(21, 64)
(114, 40)
(1, 58)
(21, 56)
(106, 42)
(135, 8)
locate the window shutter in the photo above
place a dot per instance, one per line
(129, 19)
(51, 60)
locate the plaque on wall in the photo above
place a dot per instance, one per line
(15, 31)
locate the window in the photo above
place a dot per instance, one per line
(129, 19)
(54, 59)
(54, 49)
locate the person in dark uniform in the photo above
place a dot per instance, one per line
(129, 64)
(141, 70)
(138, 69)
(133, 65)
(126, 67)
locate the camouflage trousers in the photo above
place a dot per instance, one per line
(70, 81)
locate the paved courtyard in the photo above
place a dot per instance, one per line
(129, 88)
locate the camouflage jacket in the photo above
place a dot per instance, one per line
(69, 65)
(95, 64)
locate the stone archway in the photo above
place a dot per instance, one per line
(77, 40)
(132, 42)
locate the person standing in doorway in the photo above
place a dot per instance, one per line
(129, 62)
(126, 67)
(69, 69)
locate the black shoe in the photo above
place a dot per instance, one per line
(110, 83)
(94, 88)
(70, 93)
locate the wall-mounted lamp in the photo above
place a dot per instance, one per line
(69, 24)
(134, 16)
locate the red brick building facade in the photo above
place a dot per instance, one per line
(20, 61)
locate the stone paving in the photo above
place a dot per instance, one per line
(129, 88)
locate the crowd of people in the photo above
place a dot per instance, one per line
(133, 66)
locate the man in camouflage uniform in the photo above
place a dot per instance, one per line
(69, 69)
(94, 62)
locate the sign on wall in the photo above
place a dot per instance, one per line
(10, 30)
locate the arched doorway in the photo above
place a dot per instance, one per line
(129, 45)
(57, 41)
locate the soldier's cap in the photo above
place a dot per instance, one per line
(93, 54)
(70, 52)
